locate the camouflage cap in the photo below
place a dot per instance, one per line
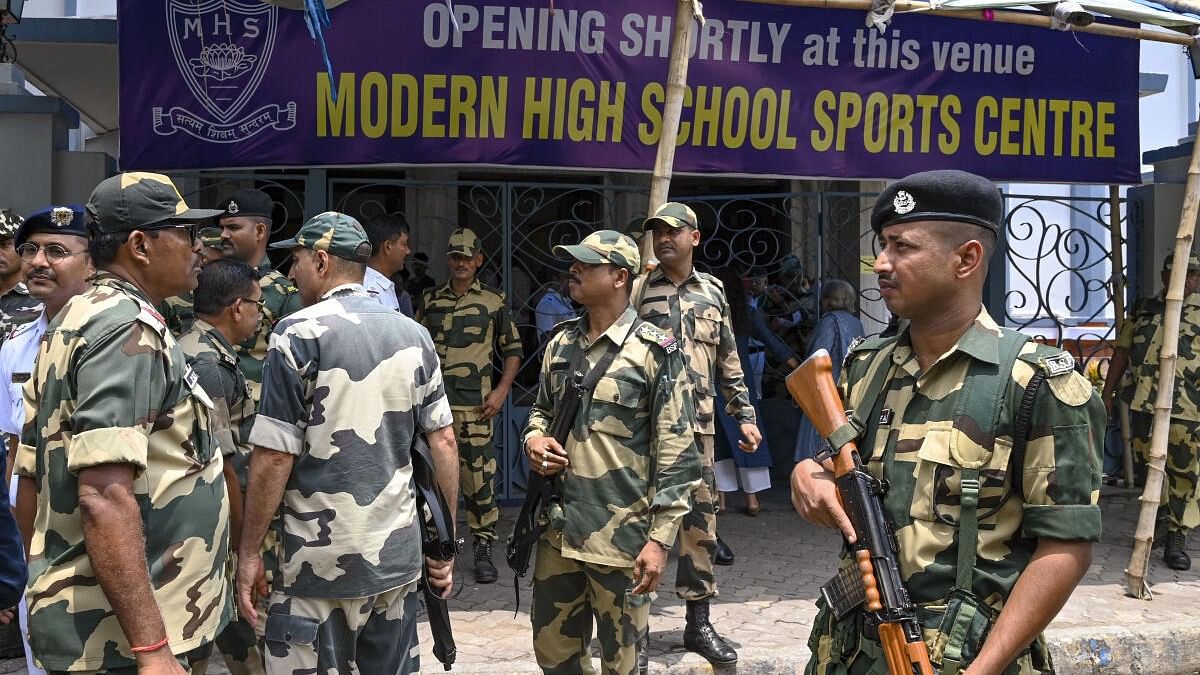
(335, 233)
(9, 224)
(1193, 261)
(210, 237)
(130, 201)
(604, 246)
(463, 241)
(674, 214)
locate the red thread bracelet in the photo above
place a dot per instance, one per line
(150, 648)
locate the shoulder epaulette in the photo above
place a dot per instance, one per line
(650, 333)
(711, 278)
(561, 326)
(1051, 360)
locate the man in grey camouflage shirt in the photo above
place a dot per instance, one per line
(347, 384)
(17, 306)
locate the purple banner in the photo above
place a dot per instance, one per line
(773, 90)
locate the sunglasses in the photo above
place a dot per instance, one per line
(192, 230)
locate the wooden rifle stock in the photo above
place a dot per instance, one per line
(813, 388)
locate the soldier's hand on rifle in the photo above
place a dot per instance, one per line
(440, 575)
(815, 496)
(751, 438)
(648, 567)
(546, 456)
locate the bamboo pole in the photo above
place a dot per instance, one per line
(996, 16)
(1118, 295)
(664, 161)
(1135, 574)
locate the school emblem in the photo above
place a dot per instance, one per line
(222, 49)
(903, 202)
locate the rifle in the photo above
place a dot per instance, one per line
(437, 542)
(541, 491)
(875, 580)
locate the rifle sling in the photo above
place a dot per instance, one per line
(541, 489)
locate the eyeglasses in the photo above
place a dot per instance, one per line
(260, 302)
(193, 231)
(55, 253)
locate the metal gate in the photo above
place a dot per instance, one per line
(1054, 282)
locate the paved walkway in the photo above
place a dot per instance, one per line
(766, 606)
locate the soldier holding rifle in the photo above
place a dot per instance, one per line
(626, 471)
(994, 510)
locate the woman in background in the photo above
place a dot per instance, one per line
(835, 331)
(733, 467)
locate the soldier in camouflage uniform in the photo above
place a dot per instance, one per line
(132, 514)
(226, 305)
(17, 307)
(347, 385)
(678, 298)
(627, 470)
(992, 539)
(469, 321)
(245, 223)
(1139, 344)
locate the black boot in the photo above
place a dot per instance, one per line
(485, 571)
(699, 636)
(1175, 554)
(644, 654)
(722, 554)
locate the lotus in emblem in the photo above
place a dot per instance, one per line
(222, 62)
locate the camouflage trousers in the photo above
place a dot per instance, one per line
(1182, 487)
(694, 577)
(567, 595)
(954, 632)
(376, 635)
(194, 663)
(476, 471)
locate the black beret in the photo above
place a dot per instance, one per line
(248, 203)
(946, 194)
(67, 219)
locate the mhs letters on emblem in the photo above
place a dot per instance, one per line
(222, 49)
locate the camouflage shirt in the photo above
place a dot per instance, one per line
(923, 449)
(17, 307)
(698, 312)
(1142, 336)
(279, 298)
(633, 455)
(212, 358)
(465, 328)
(346, 386)
(111, 386)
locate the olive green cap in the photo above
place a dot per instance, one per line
(604, 246)
(132, 201)
(335, 233)
(674, 214)
(463, 241)
(1193, 261)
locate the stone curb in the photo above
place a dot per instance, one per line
(1171, 648)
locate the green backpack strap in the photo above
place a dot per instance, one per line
(985, 389)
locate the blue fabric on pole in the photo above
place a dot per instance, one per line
(316, 17)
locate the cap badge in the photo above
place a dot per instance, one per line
(903, 202)
(233, 207)
(61, 216)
